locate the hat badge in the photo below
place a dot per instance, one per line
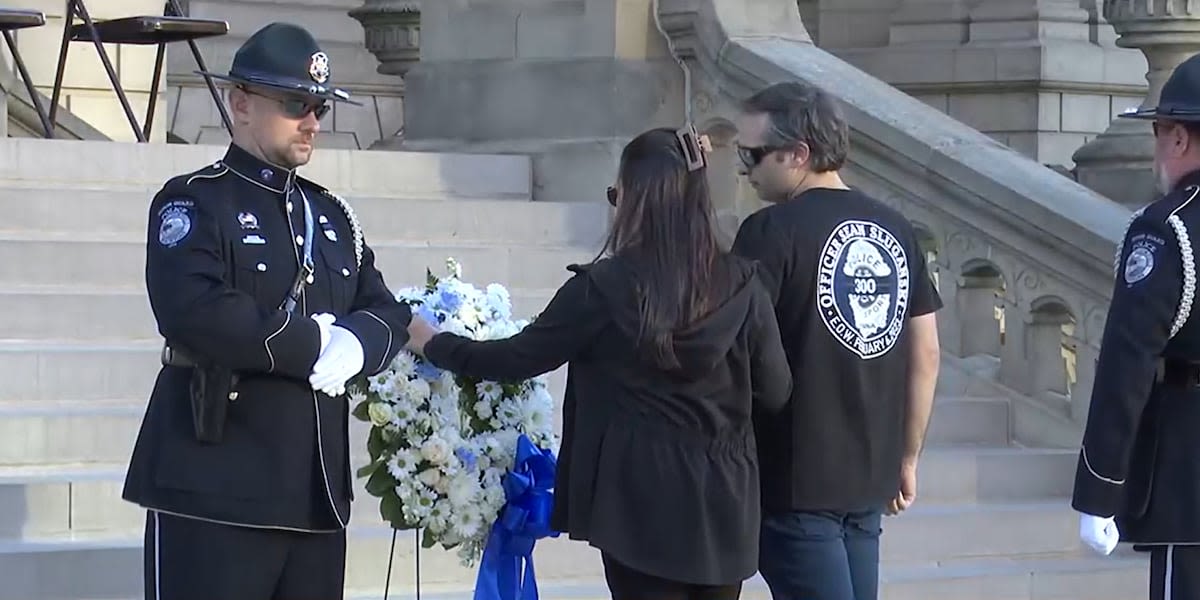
(318, 67)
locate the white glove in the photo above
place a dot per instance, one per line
(324, 322)
(340, 361)
(1099, 533)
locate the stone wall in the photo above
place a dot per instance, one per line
(193, 114)
(1042, 76)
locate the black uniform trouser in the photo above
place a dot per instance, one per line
(1175, 572)
(191, 559)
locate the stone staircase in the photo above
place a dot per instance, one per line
(78, 354)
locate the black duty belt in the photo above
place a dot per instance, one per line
(173, 357)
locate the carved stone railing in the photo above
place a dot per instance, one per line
(1023, 256)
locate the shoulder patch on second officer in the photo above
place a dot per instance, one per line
(175, 221)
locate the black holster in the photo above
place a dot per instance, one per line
(211, 389)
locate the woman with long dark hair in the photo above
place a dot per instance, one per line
(672, 344)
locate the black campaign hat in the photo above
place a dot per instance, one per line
(285, 57)
(1180, 98)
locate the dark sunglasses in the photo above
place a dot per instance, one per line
(752, 156)
(297, 108)
(612, 195)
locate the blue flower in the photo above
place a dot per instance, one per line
(427, 371)
(449, 301)
(467, 457)
(426, 312)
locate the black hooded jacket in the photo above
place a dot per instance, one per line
(658, 467)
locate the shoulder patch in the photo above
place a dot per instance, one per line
(1144, 247)
(1139, 264)
(175, 221)
(863, 287)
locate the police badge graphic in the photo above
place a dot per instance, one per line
(175, 222)
(862, 287)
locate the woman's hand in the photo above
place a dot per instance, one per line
(419, 334)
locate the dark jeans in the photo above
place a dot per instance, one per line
(625, 583)
(821, 555)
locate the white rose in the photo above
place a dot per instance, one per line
(430, 477)
(435, 450)
(381, 413)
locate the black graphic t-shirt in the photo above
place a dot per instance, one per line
(846, 275)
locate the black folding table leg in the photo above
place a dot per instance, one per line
(112, 74)
(68, 22)
(158, 67)
(33, 95)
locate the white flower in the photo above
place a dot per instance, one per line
(381, 413)
(402, 464)
(489, 391)
(430, 477)
(483, 409)
(435, 450)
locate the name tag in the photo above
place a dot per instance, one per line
(254, 240)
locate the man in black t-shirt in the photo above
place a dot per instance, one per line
(856, 311)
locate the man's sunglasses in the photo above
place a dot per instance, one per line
(752, 156)
(297, 108)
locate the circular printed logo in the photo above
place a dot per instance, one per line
(863, 287)
(1138, 265)
(175, 226)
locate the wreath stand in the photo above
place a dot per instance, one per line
(392, 555)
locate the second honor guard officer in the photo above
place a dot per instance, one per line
(1138, 476)
(269, 302)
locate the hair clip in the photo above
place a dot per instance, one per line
(695, 147)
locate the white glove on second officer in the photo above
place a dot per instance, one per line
(341, 360)
(1099, 533)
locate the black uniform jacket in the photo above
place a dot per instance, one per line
(1140, 459)
(223, 248)
(658, 467)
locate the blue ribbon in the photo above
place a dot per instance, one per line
(506, 569)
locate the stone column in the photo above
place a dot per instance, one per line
(392, 31)
(929, 21)
(1119, 162)
(568, 82)
(1015, 20)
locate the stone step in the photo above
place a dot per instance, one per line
(52, 370)
(78, 213)
(96, 261)
(111, 567)
(955, 474)
(958, 420)
(1124, 577)
(72, 164)
(933, 533)
(41, 433)
(84, 497)
(96, 313)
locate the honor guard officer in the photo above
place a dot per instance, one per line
(1138, 474)
(269, 302)
(856, 311)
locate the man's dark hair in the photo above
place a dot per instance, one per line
(803, 113)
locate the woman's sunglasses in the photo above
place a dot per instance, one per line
(612, 195)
